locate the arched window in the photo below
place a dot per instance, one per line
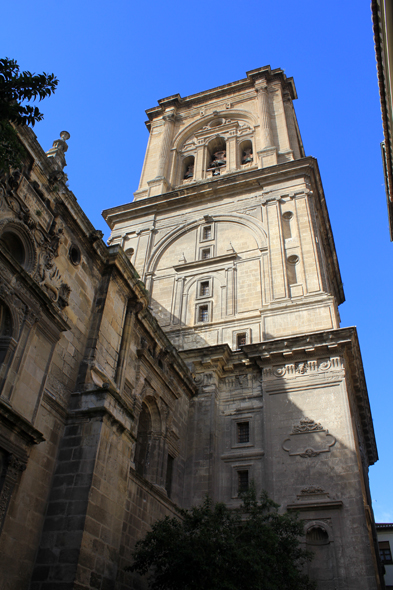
(14, 245)
(143, 441)
(216, 156)
(17, 241)
(246, 153)
(188, 168)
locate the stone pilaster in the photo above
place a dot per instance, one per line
(290, 118)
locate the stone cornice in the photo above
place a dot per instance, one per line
(244, 180)
(13, 421)
(253, 76)
(117, 258)
(207, 262)
(326, 505)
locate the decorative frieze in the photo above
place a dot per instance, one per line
(296, 369)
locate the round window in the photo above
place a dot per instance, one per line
(75, 255)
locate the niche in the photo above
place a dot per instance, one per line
(292, 269)
(148, 452)
(321, 567)
(246, 154)
(143, 442)
(286, 224)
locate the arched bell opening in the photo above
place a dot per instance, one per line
(216, 156)
(246, 153)
(188, 167)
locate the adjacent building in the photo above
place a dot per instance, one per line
(382, 16)
(385, 544)
(201, 350)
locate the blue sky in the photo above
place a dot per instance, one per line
(114, 60)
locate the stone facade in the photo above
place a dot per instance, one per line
(123, 398)
(83, 358)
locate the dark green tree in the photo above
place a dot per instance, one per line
(17, 90)
(216, 548)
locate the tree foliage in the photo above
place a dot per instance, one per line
(17, 89)
(216, 548)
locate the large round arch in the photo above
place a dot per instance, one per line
(192, 128)
(256, 230)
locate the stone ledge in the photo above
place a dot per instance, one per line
(327, 505)
(13, 421)
(206, 262)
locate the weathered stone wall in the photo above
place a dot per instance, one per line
(81, 358)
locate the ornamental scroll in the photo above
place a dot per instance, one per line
(308, 439)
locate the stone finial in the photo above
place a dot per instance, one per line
(58, 150)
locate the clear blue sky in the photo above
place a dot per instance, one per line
(114, 60)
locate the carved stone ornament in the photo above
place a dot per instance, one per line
(308, 439)
(47, 274)
(307, 425)
(309, 368)
(312, 490)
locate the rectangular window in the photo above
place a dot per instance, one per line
(241, 340)
(204, 289)
(207, 232)
(203, 313)
(385, 553)
(169, 474)
(243, 432)
(242, 480)
(206, 253)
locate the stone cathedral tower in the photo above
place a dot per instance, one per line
(230, 232)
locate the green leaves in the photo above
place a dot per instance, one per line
(16, 88)
(216, 548)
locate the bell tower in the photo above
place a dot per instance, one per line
(229, 228)
(230, 232)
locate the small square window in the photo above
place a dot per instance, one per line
(206, 253)
(385, 553)
(242, 481)
(241, 339)
(204, 289)
(207, 232)
(243, 432)
(203, 313)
